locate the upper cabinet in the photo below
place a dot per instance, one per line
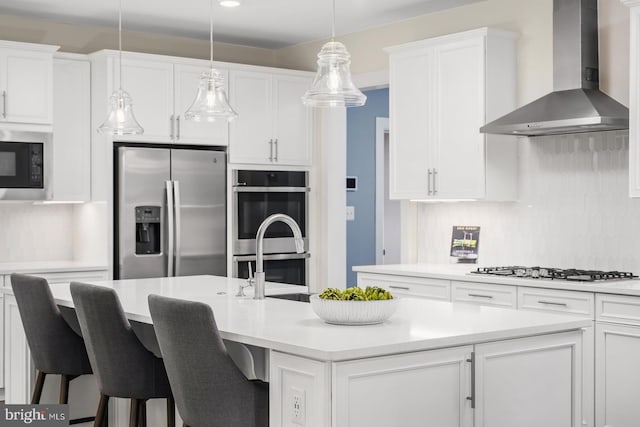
(72, 128)
(442, 91)
(273, 127)
(634, 98)
(26, 83)
(162, 89)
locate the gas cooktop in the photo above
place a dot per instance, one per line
(547, 273)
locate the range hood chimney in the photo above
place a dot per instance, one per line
(576, 105)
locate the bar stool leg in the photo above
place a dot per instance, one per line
(103, 410)
(171, 412)
(64, 388)
(134, 415)
(37, 390)
(142, 422)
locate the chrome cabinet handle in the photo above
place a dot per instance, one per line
(276, 144)
(176, 195)
(178, 127)
(4, 104)
(171, 119)
(472, 398)
(404, 288)
(429, 192)
(170, 229)
(435, 185)
(271, 150)
(560, 304)
(481, 296)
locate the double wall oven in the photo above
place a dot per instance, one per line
(257, 195)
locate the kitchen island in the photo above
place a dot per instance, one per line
(432, 363)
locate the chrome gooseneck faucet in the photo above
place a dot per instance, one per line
(297, 236)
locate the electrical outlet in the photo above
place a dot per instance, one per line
(351, 213)
(298, 406)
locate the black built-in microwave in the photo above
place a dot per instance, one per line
(25, 163)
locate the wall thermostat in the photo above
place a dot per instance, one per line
(352, 183)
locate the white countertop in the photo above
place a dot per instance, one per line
(49, 267)
(292, 327)
(463, 273)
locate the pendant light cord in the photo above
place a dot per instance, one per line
(120, 40)
(333, 25)
(211, 32)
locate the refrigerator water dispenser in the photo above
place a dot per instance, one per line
(148, 236)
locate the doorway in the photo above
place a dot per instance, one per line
(387, 211)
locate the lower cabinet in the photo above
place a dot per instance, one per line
(418, 389)
(400, 286)
(484, 294)
(617, 375)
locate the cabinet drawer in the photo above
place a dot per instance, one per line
(405, 285)
(618, 309)
(553, 300)
(484, 294)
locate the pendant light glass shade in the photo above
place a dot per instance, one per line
(332, 86)
(120, 118)
(211, 102)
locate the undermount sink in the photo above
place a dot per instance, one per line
(300, 297)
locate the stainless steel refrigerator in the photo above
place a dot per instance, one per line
(170, 212)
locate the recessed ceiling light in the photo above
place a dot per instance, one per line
(229, 3)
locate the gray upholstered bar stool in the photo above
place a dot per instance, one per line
(210, 390)
(55, 348)
(123, 366)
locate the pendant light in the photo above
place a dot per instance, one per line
(120, 119)
(211, 102)
(332, 86)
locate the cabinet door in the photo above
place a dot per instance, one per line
(150, 84)
(72, 130)
(529, 382)
(428, 388)
(617, 375)
(409, 155)
(187, 79)
(27, 85)
(251, 133)
(458, 114)
(292, 121)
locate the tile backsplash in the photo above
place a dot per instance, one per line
(573, 209)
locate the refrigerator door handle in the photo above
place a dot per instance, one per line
(176, 196)
(170, 229)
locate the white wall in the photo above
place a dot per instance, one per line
(573, 211)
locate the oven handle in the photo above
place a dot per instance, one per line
(272, 257)
(243, 189)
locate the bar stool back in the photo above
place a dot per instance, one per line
(123, 366)
(210, 390)
(55, 348)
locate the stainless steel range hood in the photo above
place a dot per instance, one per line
(576, 105)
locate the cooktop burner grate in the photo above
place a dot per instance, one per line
(573, 274)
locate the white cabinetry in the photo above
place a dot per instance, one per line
(273, 127)
(72, 128)
(402, 286)
(484, 294)
(26, 83)
(416, 389)
(162, 89)
(617, 356)
(442, 91)
(529, 382)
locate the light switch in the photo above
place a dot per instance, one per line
(351, 213)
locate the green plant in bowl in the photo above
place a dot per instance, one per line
(370, 293)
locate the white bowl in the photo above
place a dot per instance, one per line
(340, 312)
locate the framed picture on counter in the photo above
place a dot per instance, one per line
(465, 240)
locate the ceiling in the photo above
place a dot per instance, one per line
(270, 24)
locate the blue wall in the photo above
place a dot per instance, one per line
(361, 162)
